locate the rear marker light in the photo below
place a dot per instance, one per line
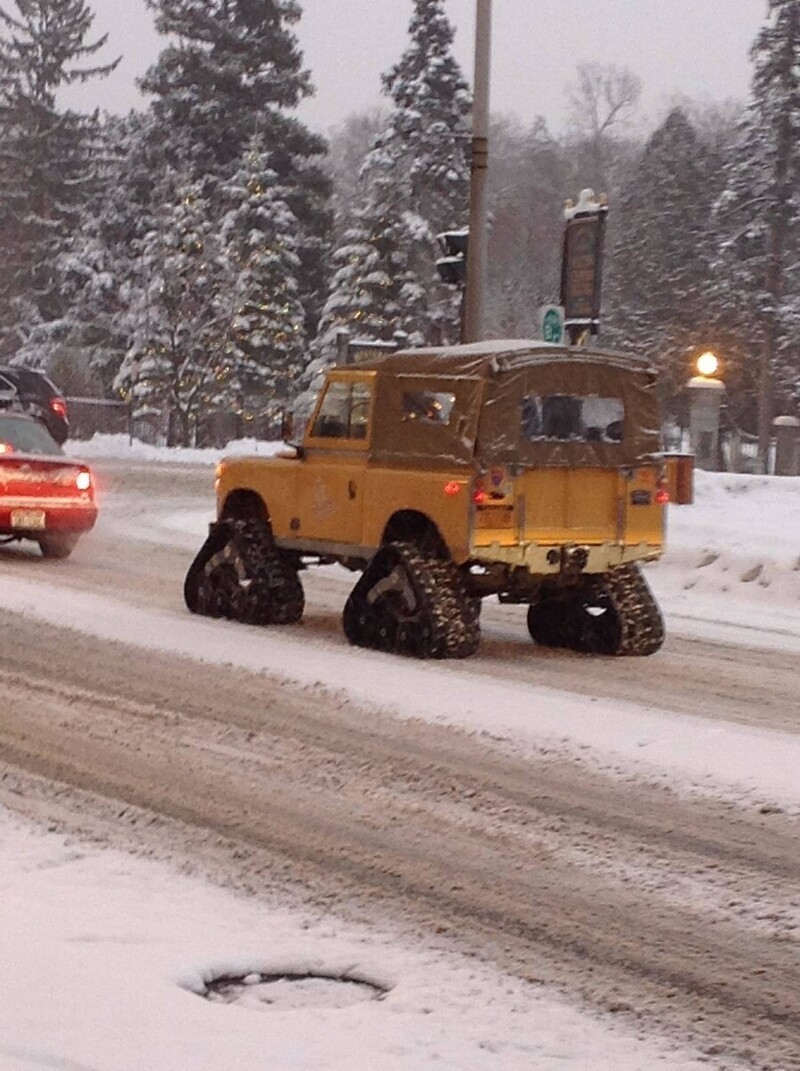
(662, 497)
(59, 407)
(452, 488)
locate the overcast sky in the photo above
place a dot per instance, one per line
(696, 48)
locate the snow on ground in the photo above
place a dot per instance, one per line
(105, 956)
(732, 567)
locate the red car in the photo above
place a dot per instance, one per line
(44, 495)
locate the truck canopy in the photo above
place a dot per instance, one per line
(514, 403)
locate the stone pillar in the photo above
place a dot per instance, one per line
(787, 445)
(705, 401)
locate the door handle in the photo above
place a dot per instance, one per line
(351, 489)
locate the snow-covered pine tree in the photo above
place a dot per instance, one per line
(182, 299)
(46, 160)
(233, 70)
(758, 216)
(265, 350)
(413, 184)
(89, 342)
(429, 121)
(659, 284)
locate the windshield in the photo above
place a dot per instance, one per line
(27, 436)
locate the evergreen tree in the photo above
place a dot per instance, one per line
(46, 159)
(182, 299)
(660, 280)
(758, 216)
(233, 70)
(414, 183)
(266, 347)
(95, 267)
(429, 122)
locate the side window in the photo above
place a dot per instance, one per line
(428, 407)
(570, 418)
(344, 413)
(359, 411)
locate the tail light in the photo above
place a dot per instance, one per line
(6, 448)
(59, 407)
(84, 481)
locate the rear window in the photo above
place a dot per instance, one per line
(573, 418)
(27, 436)
(30, 382)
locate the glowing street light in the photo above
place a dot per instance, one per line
(707, 364)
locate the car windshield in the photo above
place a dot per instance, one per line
(26, 437)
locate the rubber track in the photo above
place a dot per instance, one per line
(640, 619)
(268, 591)
(443, 623)
(637, 628)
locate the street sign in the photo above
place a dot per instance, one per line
(552, 323)
(582, 264)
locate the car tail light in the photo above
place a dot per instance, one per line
(6, 448)
(59, 407)
(662, 496)
(83, 481)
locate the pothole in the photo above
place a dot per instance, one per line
(264, 992)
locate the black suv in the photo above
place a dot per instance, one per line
(31, 391)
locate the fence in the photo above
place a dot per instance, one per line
(91, 416)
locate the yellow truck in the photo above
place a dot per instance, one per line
(517, 468)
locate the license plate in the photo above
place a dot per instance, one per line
(27, 518)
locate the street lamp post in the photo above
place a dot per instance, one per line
(706, 394)
(478, 210)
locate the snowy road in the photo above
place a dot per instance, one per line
(673, 901)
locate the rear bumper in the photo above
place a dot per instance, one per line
(543, 559)
(58, 517)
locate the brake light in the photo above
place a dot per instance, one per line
(6, 448)
(83, 481)
(59, 407)
(662, 496)
(479, 497)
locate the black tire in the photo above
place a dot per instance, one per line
(58, 546)
(412, 605)
(240, 574)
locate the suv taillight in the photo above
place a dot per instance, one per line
(59, 407)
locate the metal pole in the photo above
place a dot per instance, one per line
(478, 211)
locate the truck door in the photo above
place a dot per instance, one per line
(331, 493)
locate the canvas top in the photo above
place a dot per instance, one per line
(519, 403)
